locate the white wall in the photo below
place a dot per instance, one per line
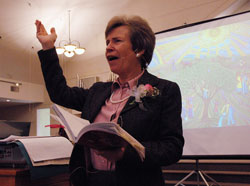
(25, 92)
(20, 65)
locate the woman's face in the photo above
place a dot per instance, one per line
(120, 56)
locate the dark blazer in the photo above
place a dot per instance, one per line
(158, 128)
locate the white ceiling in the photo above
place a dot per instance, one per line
(89, 18)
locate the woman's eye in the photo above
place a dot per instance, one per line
(117, 40)
(113, 41)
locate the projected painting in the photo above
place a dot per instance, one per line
(212, 68)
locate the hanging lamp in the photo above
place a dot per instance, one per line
(70, 48)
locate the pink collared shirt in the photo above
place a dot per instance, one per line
(110, 111)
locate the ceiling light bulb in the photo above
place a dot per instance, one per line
(68, 53)
(70, 47)
(59, 50)
(79, 51)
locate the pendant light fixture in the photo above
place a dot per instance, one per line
(70, 48)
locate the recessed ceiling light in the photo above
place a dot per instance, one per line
(7, 100)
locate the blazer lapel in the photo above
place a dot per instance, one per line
(146, 78)
(99, 100)
(129, 105)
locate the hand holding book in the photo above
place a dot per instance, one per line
(113, 154)
(102, 141)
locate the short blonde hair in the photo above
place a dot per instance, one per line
(141, 35)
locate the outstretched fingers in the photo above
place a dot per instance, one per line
(47, 40)
(40, 29)
(52, 30)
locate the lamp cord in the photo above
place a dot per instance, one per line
(69, 27)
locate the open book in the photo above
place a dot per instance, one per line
(44, 150)
(100, 136)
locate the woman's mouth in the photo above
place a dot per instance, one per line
(111, 58)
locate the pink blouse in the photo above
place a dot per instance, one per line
(110, 112)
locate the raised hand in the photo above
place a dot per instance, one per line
(47, 40)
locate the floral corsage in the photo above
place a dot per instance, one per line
(143, 91)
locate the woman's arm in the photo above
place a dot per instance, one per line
(59, 92)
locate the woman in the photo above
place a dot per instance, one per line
(151, 114)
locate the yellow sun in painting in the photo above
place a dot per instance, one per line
(213, 37)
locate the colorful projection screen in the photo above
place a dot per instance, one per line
(210, 61)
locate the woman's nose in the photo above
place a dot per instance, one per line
(109, 47)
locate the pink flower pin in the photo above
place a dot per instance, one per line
(144, 91)
(149, 89)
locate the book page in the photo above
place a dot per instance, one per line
(71, 122)
(94, 136)
(44, 150)
(13, 138)
(50, 148)
(64, 161)
(72, 139)
(138, 146)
